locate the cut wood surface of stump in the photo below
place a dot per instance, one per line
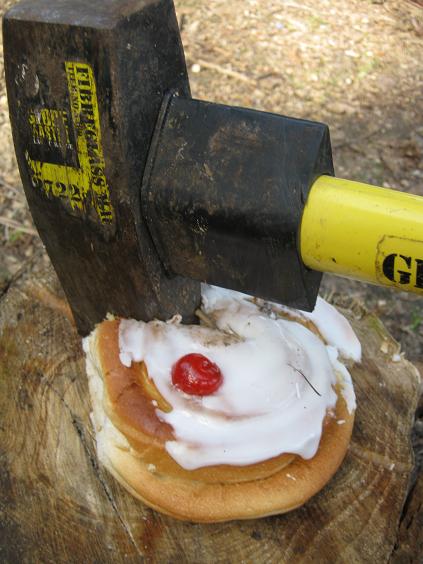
(59, 505)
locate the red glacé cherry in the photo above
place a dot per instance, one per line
(196, 375)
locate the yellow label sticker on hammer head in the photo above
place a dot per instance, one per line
(399, 263)
(85, 188)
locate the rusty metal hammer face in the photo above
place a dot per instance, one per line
(138, 191)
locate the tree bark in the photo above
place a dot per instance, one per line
(58, 505)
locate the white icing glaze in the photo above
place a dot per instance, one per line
(335, 329)
(265, 406)
(332, 325)
(345, 379)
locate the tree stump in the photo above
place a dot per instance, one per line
(58, 505)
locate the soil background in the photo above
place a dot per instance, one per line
(356, 65)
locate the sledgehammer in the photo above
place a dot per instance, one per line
(140, 192)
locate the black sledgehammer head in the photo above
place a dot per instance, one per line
(85, 82)
(223, 195)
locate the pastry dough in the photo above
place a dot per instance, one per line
(133, 438)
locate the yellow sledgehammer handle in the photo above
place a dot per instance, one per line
(364, 232)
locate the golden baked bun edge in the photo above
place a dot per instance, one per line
(197, 501)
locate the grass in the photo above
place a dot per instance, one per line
(416, 319)
(15, 236)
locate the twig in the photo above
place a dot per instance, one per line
(208, 321)
(388, 166)
(305, 378)
(227, 72)
(295, 6)
(18, 191)
(347, 142)
(356, 149)
(16, 225)
(182, 22)
(205, 318)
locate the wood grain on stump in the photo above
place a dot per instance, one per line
(58, 505)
